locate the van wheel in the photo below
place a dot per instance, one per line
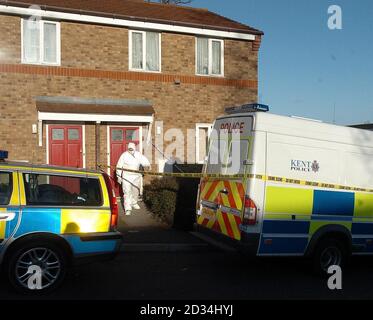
(36, 268)
(329, 252)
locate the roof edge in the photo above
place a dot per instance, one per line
(253, 31)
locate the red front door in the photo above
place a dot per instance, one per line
(65, 149)
(119, 139)
(65, 146)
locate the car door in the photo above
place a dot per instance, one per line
(9, 205)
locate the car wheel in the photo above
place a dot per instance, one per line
(329, 252)
(36, 268)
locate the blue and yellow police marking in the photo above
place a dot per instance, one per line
(288, 203)
(5, 226)
(64, 221)
(86, 247)
(84, 221)
(2, 226)
(295, 215)
(105, 192)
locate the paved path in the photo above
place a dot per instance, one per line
(141, 228)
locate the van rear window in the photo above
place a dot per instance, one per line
(6, 188)
(227, 157)
(230, 141)
(55, 190)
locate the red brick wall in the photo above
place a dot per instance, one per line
(90, 48)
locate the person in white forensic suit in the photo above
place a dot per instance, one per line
(131, 182)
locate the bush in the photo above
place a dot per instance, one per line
(160, 198)
(173, 200)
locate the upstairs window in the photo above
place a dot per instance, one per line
(145, 51)
(41, 42)
(209, 57)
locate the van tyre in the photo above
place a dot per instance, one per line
(45, 262)
(329, 252)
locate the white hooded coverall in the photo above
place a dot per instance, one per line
(131, 182)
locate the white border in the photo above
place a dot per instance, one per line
(209, 129)
(126, 23)
(130, 68)
(41, 44)
(52, 116)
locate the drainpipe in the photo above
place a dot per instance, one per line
(97, 144)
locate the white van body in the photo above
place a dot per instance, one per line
(303, 181)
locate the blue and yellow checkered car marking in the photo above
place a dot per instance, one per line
(64, 221)
(84, 221)
(293, 215)
(2, 226)
(69, 223)
(6, 227)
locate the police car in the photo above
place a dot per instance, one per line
(51, 218)
(288, 186)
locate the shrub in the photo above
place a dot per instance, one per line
(173, 200)
(160, 198)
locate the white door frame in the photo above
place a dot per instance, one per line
(83, 140)
(207, 126)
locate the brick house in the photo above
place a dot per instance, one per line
(79, 79)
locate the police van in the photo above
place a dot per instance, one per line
(51, 218)
(286, 186)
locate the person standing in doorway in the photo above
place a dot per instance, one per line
(131, 181)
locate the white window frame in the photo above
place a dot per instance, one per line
(210, 74)
(207, 126)
(41, 39)
(143, 69)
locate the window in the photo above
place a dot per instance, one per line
(209, 57)
(40, 42)
(217, 155)
(54, 190)
(6, 188)
(202, 136)
(238, 152)
(145, 51)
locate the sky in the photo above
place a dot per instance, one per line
(306, 69)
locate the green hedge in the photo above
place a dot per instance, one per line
(173, 200)
(160, 198)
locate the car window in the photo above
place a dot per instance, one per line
(55, 190)
(6, 188)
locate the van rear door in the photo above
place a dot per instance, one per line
(221, 200)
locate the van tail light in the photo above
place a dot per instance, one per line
(250, 213)
(113, 202)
